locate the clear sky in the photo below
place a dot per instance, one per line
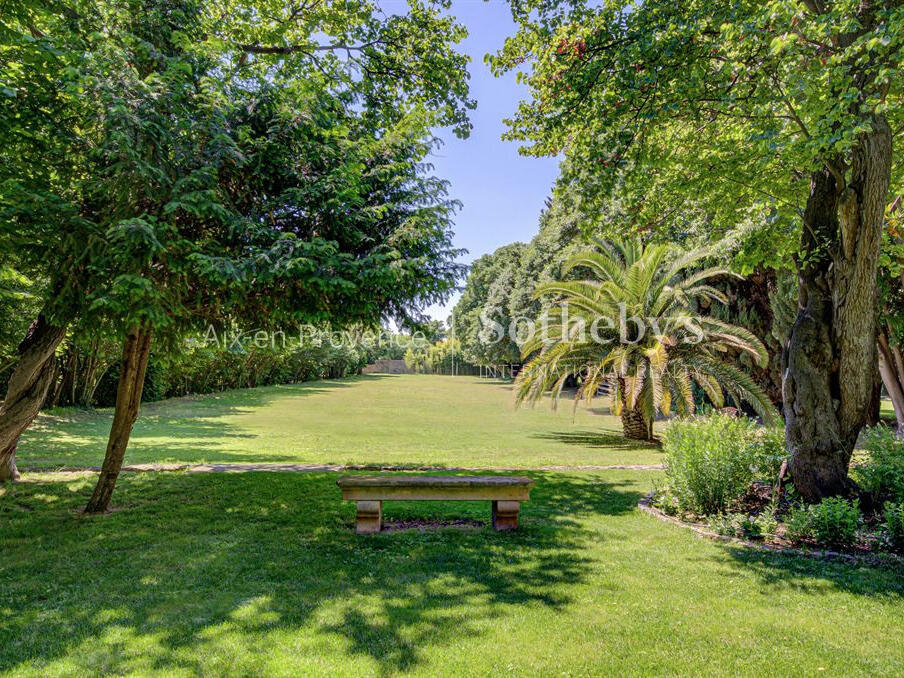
(502, 192)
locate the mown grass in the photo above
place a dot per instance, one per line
(378, 419)
(261, 573)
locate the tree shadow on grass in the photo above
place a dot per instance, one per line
(816, 576)
(191, 427)
(596, 439)
(196, 572)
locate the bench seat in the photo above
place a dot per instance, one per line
(369, 492)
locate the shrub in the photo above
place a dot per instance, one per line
(712, 460)
(766, 521)
(833, 522)
(198, 368)
(882, 473)
(769, 453)
(798, 525)
(894, 525)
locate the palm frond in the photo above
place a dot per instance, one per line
(738, 383)
(602, 264)
(655, 372)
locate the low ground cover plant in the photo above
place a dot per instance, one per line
(834, 522)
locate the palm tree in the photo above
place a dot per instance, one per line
(593, 333)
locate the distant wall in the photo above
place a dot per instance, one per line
(387, 367)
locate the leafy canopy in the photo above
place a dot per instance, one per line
(500, 287)
(728, 105)
(173, 161)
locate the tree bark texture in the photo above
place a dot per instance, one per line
(27, 389)
(135, 353)
(635, 425)
(829, 361)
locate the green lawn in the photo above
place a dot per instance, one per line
(262, 573)
(378, 419)
(250, 574)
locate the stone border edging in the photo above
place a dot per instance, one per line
(875, 560)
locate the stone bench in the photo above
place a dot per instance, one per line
(369, 492)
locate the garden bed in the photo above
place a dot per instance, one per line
(727, 477)
(881, 559)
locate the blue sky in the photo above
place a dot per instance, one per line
(502, 192)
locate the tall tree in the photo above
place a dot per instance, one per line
(558, 238)
(481, 317)
(123, 133)
(786, 105)
(310, 219)
(43, 134)
(499, 293)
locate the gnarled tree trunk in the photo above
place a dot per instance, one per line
(829, 361)
(135, 352)
(635, 425)
(27, 389)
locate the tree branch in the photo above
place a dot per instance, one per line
(791, 110)
(814, 6)
(304, 49)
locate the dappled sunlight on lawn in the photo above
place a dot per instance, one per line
(263, 573)
(242, 573)
(812, 576)
(259, 573)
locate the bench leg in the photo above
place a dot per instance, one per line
(370, 517)
(505, 515)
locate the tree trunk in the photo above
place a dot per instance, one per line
(27, 389)
(635, 425)
(829, 361)
(891, 367)
(8, 469)
(135, 352)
